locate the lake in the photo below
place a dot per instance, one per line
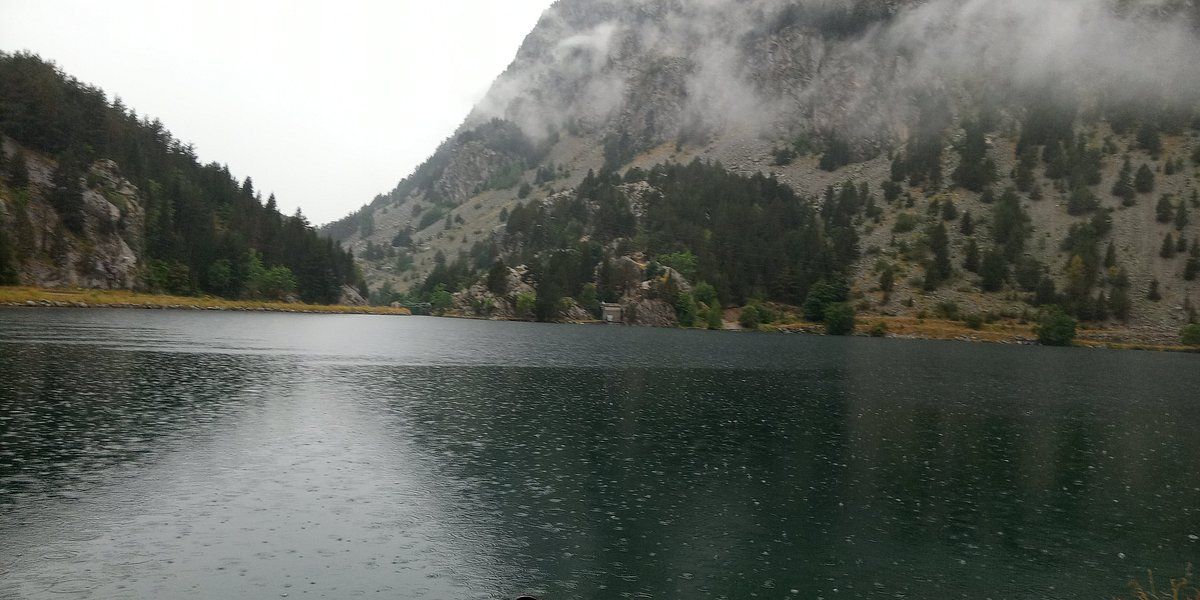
(162, 454)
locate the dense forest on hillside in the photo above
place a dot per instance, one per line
(740, 238)
(204, 230)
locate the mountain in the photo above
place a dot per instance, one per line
(953, 157)
(94, 196)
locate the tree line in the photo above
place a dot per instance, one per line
(204, 230)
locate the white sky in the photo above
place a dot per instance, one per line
(324, 102)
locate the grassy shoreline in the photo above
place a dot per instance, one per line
(1004, 332)
(80, 298)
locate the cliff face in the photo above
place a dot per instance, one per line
(819, 94)
(105, 254)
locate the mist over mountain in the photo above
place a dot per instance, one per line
(941, 101)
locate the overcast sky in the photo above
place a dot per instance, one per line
(324, 102)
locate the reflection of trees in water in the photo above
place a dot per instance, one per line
(811, 480)
(70, 412)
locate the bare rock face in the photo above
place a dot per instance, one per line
(351, 297)
(471, 166)
(650, 313)
(105, 254)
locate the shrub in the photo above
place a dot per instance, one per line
(526, 303)
(686, 309)
(1056, 328)
(1191, 335)
(715, 320)
(750, 318)
(974, 321)
(879, 330)
(440, 300)
(839, 319)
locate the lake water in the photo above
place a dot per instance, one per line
(159, 454)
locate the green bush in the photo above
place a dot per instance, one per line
(879, 330)
(1056, 328)
(440, 300)
(526, 303)
(974, 321)
(839, 319)
(750, 317)
(686, 309)
(1191, 335)
(715, 319)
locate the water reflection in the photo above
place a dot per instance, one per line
(596, 463)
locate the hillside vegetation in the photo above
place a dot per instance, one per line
(94, 195)
(838, 160)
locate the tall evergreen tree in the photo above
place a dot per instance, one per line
(17, 169)
(1168, 248)
(1010, 225)
(971, 261)
(1143, 182)
(1164, 211)
(1123, 188)
(66, 194)
(939, 268)
(993, 271)
(9, 275)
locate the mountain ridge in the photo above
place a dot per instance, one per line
(799, 97)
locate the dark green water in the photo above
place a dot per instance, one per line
(210, 455)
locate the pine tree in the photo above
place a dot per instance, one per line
(967, 226)
(949, 211)
(975, 171)
(1119, 303)
(1153, 294)
(8, 267)
(1123, 188)
(66, 195)
(1143, 182)
(939, 268)
(18, 170)
(971, 262)
(1149, 139)
(1110, 256)
(1168, 248)
(1191, 269)
(497, 280)
(1046, 293)
(887, 282)
(1010, 225)
(1164, 212)
(1025, 175)
(993, 271)
(1181, 216)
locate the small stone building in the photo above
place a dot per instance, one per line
(611, 313)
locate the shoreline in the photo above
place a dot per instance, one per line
(1011, 333)
(1004, 332)
(33, 297)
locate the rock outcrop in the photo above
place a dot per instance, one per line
(104, 254)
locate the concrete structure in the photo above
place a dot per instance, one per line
(611, 313)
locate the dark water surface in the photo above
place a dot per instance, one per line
(155, 454)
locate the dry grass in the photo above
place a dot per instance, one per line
(1176, 589)
(22, 296)
(1001, 332)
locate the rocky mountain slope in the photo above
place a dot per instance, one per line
(926, 103)
(94, 196)
(103, 255)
